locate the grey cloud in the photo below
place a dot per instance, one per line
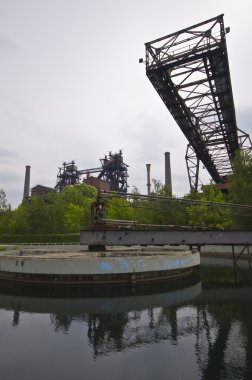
(7, 177)
(244, 119)
(7, 45)
(7, 154)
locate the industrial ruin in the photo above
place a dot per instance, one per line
(112, 176)
(189, 69)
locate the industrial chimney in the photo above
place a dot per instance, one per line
(168, 181)
(148, 178)
(27, 183)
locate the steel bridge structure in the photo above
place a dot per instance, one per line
(190, 71)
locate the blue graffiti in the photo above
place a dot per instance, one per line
(106, 265)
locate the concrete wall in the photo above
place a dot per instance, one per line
(90, 264)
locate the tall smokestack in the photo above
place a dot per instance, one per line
(168, 181)
(27, 183)
(148, 178)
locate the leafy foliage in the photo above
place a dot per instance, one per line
(203, 215)
(240, 188)
(3, 201)
(159, 209)
(69, 211)
(53, 213)
(119, 209)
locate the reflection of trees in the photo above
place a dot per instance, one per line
(61, 322)
(107, 330)
(223, 343)
(16, 317)
(222, 333)
(214, 325)
(246, 314)
(121, 331)
(169, 315)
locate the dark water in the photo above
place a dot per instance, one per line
(195, 331)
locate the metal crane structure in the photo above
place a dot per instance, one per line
(190, 71)
(112, 170)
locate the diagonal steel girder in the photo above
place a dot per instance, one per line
(189, 69)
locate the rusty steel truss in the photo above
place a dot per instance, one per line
(113, 170)
(189, 69)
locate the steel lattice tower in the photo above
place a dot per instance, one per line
(189, 69)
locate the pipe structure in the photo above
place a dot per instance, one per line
(27, 183)
(148, 178)
(168, 181)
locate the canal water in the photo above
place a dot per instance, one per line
(198, 329)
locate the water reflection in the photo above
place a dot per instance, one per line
(208, 332)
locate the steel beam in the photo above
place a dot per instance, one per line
(170, 237)
(190, 71)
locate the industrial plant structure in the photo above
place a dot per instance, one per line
(112, 174)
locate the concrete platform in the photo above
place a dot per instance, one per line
(80, 267)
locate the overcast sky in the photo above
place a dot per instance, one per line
(71, 87)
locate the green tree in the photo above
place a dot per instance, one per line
(167, 210)
(78, 200)
(160, 189)
(19, 222)
(78, 194)
(240, 189)
(159, 211)
(5, 212)
(38, 214)
(67, 211)
(6, 218)
(3, 201)
(203, 215)
(73, 217)
(119, 209)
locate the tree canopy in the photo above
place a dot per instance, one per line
(70, 210)
(204, 215)
(240, 188)
(3, 201)
(64, 212)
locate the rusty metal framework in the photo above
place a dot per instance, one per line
(112, 169)
(68, 175)
(192, 164)
(115, 171)
(189, 69)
